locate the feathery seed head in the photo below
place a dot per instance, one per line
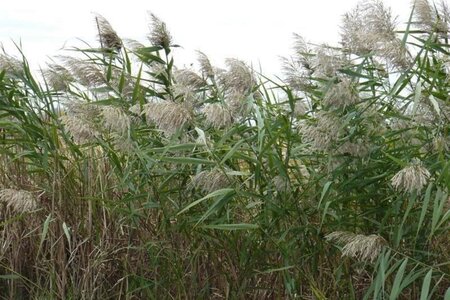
(217, 115)
(115, 119)
(210, 181)
(430, 18)
(302, 50)
(205, 65)
(300, 108)
(80, 130)
(237, 103)
(87, 73)
(189, 78)
(358, 149)
(298, 69)
(122, 143)
(367, 25)
(183, 93)
(167, 115)
(411, 178)
(133, 44)
(370, 28)
(441, 143)
(58, 77)
(83, 110)
(124, 80)
(19, 200)
(322, 133)
(295, 75)
(327, 62)
(159, 35)
(341, 94)
(281, 184)
(187, 84)
(11, 65)
(396, 53)
(361, 247)
(107, 35)
(239, 78)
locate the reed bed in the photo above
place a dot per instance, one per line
(125, 177)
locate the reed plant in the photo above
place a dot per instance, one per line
(126, 177)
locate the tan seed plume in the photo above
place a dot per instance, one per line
(361, 247)
(19, 200)
(217, 115)
(107, 35)
(167, 115)
(159, 34)
(210, 181)
(412, 178)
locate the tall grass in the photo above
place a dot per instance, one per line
(125, 177)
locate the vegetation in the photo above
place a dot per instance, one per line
(124, 177)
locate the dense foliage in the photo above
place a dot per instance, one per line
(125, 177)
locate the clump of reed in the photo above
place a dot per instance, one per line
(123, 176)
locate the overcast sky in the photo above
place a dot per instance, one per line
(258, 32)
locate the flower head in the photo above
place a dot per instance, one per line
(58, 77)
(19, 200)
(323, 132)
(431, 19)
(298, 69)
(217, 115)
(169, 116)
(115, 119)
(411, 178)
(239, 78)
(80, 130)
(159, 34)
(300, 108)
(370, 28)
(341, 94)
(189, 78)
(205, 65)
(359, 246)
(281, 184)
(86, 72)
(106, 34)
(11, 65)
(210, 181)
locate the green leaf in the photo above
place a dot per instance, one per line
(426, 285)
(425, 204)
(10, 277)
(238, 226)
(66, 230)
(395, 292)
(435, 105)
(325, 190)
(175, 148)
(396, 160)
(201, 136)
(187, 160)
(354, 74)
(417, 96)
(218, 193)
(447, 294)
(45, 231)
(438, 207)
(218, 204)
(232, 151)
(277, 269)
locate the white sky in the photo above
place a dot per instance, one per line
(258, 32)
